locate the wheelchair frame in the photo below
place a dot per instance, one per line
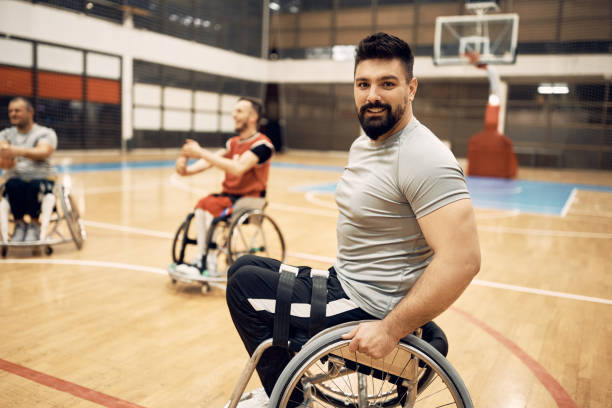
(69, 213)
(222, 233)
(413, 368)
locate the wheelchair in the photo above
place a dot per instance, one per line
(247, 230)
(324, 373)
(56, 208)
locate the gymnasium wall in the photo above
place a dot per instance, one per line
(174, 84)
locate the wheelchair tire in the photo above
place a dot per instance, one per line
(330, 376)
(254, 233)
(178, 250)
(73, 219)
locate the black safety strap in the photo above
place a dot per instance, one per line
(318, 301)
(282, 310)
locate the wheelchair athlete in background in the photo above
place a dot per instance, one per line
(25, 149)
(246, 163)
(407, 248)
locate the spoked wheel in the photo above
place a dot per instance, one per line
(73, 219)
(218, 254)
(180, 241)
(255, 233)
(326, 374)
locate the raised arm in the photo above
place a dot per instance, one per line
(451, 233)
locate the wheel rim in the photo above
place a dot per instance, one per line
(341, 379)
(254, 233)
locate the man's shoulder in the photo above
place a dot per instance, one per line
(36, 128)
(7, 131)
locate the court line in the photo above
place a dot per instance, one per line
(569, 202)
(80, 262)
(330, 260)
(555, 233)
(556, 390)
(553, 387)
(65, 386)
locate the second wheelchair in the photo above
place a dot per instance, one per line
(247, 230)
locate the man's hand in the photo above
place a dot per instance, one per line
(371, 338)
(6, 151)
(191, 149)
(181, 165)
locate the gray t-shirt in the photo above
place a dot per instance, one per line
(25, 168)
(385, 187)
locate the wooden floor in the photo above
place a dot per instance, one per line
(105, 326)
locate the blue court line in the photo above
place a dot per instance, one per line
(492, 193)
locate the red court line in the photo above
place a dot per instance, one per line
(556, 390)
(65, 386)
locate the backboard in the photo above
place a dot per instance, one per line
(493, 36)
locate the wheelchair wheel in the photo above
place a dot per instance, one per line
(73, 219)
(180, 241)
(325, 374)
(217, 240)
(253, 232)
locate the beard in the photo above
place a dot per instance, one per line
(239, 127)
(374, 127)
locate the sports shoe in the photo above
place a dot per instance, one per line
(188, 270)
(253, 399)
(33, 233)
(19, 232)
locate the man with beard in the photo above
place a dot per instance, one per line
(246, 163)
(407, 240)
(25, 149)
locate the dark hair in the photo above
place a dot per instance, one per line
(255, 103)
(27, 103)
(385, 46)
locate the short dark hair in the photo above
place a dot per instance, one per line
(385, 46)
(27, 103)
(255, 103)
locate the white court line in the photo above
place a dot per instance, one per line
(160, 271)
(569, 202)
(123, 228)
(543, 292)
(311, 197)
(115, 189)
(555, 233)
(478, 282)
(78, 262)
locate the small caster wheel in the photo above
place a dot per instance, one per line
(48, 250)
(4, 251)
(173, 281)
(205, 288)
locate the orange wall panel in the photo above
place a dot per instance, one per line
(103, 90)
(15, 81)
(60, 86)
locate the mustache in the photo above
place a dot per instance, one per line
(374, 105)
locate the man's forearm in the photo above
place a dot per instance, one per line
(440, 285)
(228, 165)
(33, 153)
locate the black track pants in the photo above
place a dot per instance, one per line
(251, 298)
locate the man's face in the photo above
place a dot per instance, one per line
(243, 114)
(382, 95)
(19, 115)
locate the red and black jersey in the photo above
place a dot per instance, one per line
(254, 181)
